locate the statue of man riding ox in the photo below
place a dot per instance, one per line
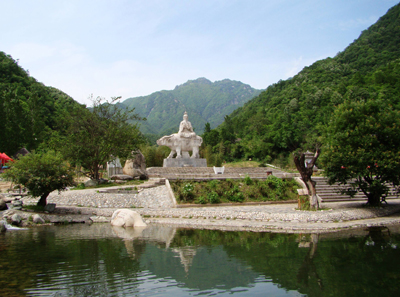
(183, 142)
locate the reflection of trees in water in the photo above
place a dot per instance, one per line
(308, 271)
(339, 264)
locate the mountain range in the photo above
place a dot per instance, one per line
(204, 101)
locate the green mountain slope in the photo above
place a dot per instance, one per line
(292, 114)
(203, 100)
(28, 109)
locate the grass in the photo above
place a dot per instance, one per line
(234, 191)
(242, 164)
(34, 207)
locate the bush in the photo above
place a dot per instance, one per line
(213, 197)
(248, 181)
(201, 200)
(41, 174)
(187, 192)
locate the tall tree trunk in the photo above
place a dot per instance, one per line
(43, 199)
(306, 172)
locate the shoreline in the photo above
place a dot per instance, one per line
(155, 207)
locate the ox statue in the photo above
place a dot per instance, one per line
(183, 142)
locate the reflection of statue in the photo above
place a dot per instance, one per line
(183, 142)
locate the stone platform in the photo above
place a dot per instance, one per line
(185, 162)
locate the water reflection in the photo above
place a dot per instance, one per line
(100, 260)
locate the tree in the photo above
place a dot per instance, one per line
(362, 148)
(306, 171)
(41, 174)
(92, 136)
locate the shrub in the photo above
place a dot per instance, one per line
(187, 192)
(248, 181)
(236, 197)
(213, 197)
(201, 200)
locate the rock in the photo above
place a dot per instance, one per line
(136, 166)
(127, 218)
(16, 219)
(50, 207)
(99, 219)
(103, 181)
(3, 226)
(16, 204)
(121, 177)
(91, 183)
(3, 205)
(37, 219)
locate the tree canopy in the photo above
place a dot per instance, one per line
(28, 108)
(90, 137)
(362, 147)
(41, 174)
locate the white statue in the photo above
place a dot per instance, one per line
(183, 142)
(185, 128)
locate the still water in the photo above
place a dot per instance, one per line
(99, 260)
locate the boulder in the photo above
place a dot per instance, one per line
(121, 177)
(16, 219)
(91, 183)
(127, 218)
(3, 227)
(50, 207)
(37, 219)
(3, 205)
(16, 204)
(136, 166)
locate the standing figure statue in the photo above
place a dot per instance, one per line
(183, 142)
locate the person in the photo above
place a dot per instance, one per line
(185, 128)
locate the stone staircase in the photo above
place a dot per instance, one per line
(206, 173)
(331, 193)
(152, 182)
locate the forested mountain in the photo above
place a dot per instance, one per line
(292, 114)
(203, 100)
(28, 109)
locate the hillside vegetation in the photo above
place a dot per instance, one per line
(28, 109)
(294, 113)
(203, 100)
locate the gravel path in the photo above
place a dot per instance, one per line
(155, 206)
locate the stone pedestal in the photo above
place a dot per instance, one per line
(185, 162)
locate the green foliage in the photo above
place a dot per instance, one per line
(216, 191)
(187, 192)
(362, 147)
(154, 154)
(41, 174)
(203, 100)
(213, 198)
(293, 114)
(89, 137)
(28, 108)
(247, 180)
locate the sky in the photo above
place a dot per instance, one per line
(125, 48)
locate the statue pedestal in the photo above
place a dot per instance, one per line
(185, 162)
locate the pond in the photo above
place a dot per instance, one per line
(99, 260)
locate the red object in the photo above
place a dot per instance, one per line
(4, 158)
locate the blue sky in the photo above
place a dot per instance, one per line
(134, 48)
